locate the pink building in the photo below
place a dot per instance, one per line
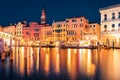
(77, 28)
(34, 31)
(46, 33)
(26, 33)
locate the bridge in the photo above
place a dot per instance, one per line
(7, 37)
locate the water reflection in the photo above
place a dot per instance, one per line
(72, 63)
(67, 64)
(47, 63)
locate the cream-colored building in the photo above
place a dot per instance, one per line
(19, 28)
(110, 25)
(94, 31)
(59, 30)
(10, 29)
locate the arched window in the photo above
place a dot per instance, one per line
(81, 25)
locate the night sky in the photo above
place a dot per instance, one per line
(13, 11)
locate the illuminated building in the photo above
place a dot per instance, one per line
(34, 31)
(30, 33)
(110, 25)
(1, 28)
(59, 30)
(10, 29)
(19, 29)
(72, 29)
(76, 29)
(45, 30)
(46, 33)
(94, 32)
(43, 17)
(26, 33)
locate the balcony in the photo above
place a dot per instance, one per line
(110, 20)
(111, 32)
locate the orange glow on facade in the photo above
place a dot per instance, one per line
(110, 25)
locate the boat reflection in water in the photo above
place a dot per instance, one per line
(61, 64)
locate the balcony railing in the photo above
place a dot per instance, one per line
(110, 20)
(111, 32)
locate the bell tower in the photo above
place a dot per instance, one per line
(43, 17)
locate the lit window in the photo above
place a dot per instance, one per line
(74, 25)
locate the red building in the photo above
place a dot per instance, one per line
(31, 32)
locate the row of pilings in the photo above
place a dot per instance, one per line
(9, 51)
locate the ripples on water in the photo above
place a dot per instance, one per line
(61, 64)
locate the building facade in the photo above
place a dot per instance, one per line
(19, 29)
(10, 29)
(76, 30)
(1, 28)
(46, 33)
(110, 25)
(59, 31)
(94, 32)
(34, 31)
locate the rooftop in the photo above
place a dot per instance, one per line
(118, 5)
(76, 17)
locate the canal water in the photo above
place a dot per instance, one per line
(61, 64)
